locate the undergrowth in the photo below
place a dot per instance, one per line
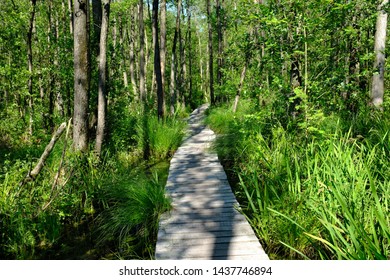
(316, 187)
(99, 208)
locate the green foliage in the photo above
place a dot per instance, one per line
(130, 220)
(319, 195)
(105, 207)
(161, 138)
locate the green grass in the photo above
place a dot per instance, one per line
(100, 208)
(131, 215)
(318, 193)
(159, 138)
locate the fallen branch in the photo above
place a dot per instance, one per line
(34, 173)
(59, 169)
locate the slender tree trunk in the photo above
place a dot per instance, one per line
(157, 63)
(102, 92)
(71, 18)
(378, 79)
(220, 42)
(123, 60)
(81, 75)
(163, 36)
(173, 60)
(210, 48)
(200, 62)
(97, 14)
(131, 36)
(30, 65)
(49, 117)
(238, 94)
(58, 84)
(142, 67)
(189, 55)
(183, 69)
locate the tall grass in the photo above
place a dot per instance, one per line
(318, 196)
(131, 215)
(105, 207)
(160, 138)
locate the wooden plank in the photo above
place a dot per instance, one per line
(213, 250)
(196, 218)
(183, 240)
(204, 222)
(208, 227)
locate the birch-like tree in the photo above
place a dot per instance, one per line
(378, 78)
(81, 75)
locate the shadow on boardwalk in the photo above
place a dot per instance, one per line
(204, 222)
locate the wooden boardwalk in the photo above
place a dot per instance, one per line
(204, 223)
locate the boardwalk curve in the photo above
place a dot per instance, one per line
(204, 223)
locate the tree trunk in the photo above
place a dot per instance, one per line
(163, 36)
(220, 42)
(30, 65)
(131, 37)
(378, 79)
(183, 70)
(210, 47)
(173, 60)
(97, 14)
(238, 94)
(189, 55)
(41, 162)
(71, 17)
(142, 67)
(81, 75)
(200, 61)
(157, 63)
(102, 92)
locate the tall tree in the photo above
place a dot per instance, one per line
(131, 36)
(157, 63)
(30, 64)
(190, 58)
(102, 92)
(163, 35)
(378, 79)
(173, 60)
(97, 14)
(142, 66)
(220, 40)
(81, 75)
(210, 49)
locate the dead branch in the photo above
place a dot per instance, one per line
(34, 173)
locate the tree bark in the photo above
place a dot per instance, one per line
(183, 70)
(238, 94)
(210, 47)
(220, 42)
(102, 92)
(97, 14)
(81, 75)
(163, 36)
(157, 63)
(142, 67)
(378, 79)
(173, 60)
(30, 65)
(189, 55)
(131, 37)
(71, 17)
(41, 162)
